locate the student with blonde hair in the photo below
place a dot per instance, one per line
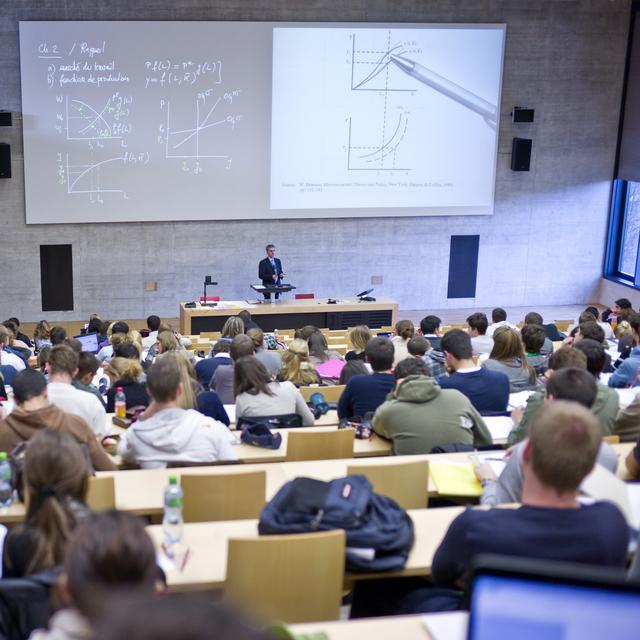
(296, 366)
(128, 374)
(359, 338)
(195, 396)
(41, 335)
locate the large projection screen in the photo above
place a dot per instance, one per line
(149, 121)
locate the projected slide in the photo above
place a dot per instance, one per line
(150, 121)
(385, 117)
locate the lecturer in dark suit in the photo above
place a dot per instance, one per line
(270, 270)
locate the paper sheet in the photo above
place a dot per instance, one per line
(627, 396)
(499, 426)
(455, 479)
(519, 399)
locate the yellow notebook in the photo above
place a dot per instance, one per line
(455, 479)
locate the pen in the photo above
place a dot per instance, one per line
(450, 89)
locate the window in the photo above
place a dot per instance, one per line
(621, 261)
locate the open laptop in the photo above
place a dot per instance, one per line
(525, 599)
(89, 342)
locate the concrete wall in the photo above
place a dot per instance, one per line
(543, 245)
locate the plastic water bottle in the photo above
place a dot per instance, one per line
(172, 518)
(120, 403)
(6, 486)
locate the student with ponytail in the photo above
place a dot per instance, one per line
(55, 486)
(126, 373)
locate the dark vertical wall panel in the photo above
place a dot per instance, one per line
(463, 266)
(56, 277)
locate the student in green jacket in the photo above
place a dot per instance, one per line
(418, 415)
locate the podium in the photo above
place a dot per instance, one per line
(272, 289)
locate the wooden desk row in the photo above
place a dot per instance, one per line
(207, 542)
(141, 491)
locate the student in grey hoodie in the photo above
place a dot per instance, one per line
(166, 432)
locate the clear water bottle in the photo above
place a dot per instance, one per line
(172, 518)
(120, 403)
(6, 486)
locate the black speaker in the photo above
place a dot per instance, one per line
(56, 277)
(5, 160)
(521, 154)
(5, 119)
(522, 115)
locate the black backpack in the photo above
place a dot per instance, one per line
(379, 532)
(25, 603)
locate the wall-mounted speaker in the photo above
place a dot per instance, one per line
(5, 160)
(5, 119)
(519, 114)
(521, 154)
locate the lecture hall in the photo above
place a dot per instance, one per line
(320, 320)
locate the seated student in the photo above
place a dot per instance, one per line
(222, 380)
(115, 327)
(108, 552)
(498, 319)
(551, 524)
(18, 346)
(359, 338)
(7, 356)
(420, 347)
(535, 318)
(590, 357)
(296, 366)
(590, 314)
(430, 329)
(206, 367)
(319, 351)
(257, 395)
(352, 369)
(19, 335)
(488, 390)
(99, 327)
(168, 341)
(272, 360)
(622, 310)
(33, 413)
(507, 356)
(247, 321)
(61, 368)
(532, 336)
(41, 335)
(232, 327)
(126, 373)
(419, 415)
(366, 393)
(570, 384)
(195, 396)
(404, 331)
(166, 432)
(477, 324)
(88, 366)
(153, 325)
(58, 335)
(626, 375)
(55, 481)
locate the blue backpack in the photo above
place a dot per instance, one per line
(379, 531)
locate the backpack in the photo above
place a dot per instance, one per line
(25, 603)
(379, 533)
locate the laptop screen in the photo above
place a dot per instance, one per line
(507, 607)
(89, 342)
